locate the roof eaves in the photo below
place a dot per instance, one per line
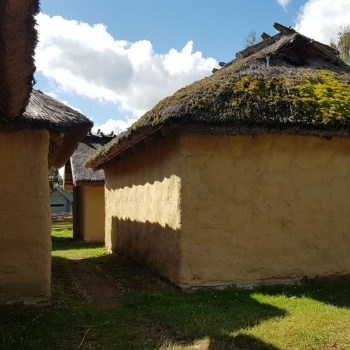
(119, 145)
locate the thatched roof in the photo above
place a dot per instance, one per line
(18, 38)
(67, 126)
(75, 171)
(287, 83)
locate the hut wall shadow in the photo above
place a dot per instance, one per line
(66, 243)
(208, 314)
(329, 290)
(149, 244)
(165, 315)
(248, 342)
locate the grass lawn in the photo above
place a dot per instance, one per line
(147, 313)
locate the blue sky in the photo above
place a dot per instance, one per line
(114, 60)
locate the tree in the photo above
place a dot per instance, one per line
(54, 178)
(342, 44)
(251, 39)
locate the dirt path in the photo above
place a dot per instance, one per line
(99, 289)
(104, 291)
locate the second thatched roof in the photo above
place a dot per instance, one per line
(287, 83)
(75, 171)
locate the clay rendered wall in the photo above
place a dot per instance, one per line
(25, 221)
(265, 208)
(91, 213)
(143, 207)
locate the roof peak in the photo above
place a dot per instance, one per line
(284, 31)
(100, 134)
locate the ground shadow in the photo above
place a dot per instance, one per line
(244, 342)
(167, 315)
(66, 243)
(328, 290)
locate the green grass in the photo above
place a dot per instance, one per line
(64, 246)
(153, 315)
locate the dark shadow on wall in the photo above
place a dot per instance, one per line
(149, 244)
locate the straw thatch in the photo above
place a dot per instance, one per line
(18, 38)
(67, 126)
(287, 83)
(75, 172)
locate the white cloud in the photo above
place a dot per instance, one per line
(284, 3)
(322, 19)
(114, 125)
(85, 59)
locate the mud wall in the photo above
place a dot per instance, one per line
(25, 220)
(143, 207)
(91, 213)
(266, 208)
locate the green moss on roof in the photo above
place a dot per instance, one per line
(278, 96)
(100, 151)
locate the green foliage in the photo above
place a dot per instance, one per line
(342, 43)
(324, 97)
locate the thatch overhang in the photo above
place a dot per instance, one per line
(66, 126)
(288, 83)
(18, 39)
(76, 172)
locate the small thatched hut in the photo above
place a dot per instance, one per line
(88, 190)
(242, 177)
(36, 133)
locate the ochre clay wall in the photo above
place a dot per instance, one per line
(91, 213)
(25, 220)
(143, 207)
(216, 210)
(266, 208)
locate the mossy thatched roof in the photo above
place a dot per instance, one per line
(79, 174)
(287, 83)
(18, 38)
